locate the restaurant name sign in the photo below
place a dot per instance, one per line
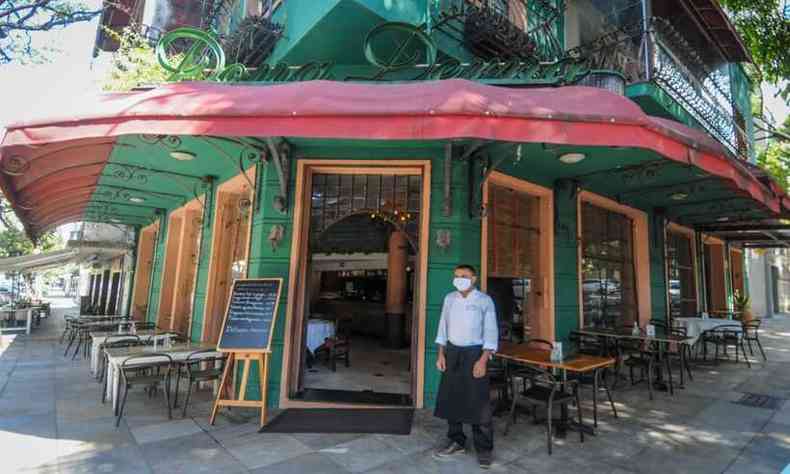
(414, 57)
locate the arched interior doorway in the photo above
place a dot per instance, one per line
(361, 255)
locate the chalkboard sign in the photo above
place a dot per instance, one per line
(249, 319)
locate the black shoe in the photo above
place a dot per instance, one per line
(450, 450)
(484, 459)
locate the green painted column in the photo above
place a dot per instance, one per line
(658, 275)
(566, 261)
(464, 247)
(156, 269)
(270, 259)
(204, 260)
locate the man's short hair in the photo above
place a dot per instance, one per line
(465, 266)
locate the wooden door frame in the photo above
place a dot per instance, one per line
(545, 198)
(296, 279)
(239, 184)
(691, 235)
(640, 246)
(170, 251)
(712, 241)
(144, 278)
(181, 270)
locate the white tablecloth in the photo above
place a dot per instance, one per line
(27, 315)
(97, 341)
(696, 326)
(317, 331)
(179, 354)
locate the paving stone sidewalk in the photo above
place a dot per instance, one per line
(52, 421)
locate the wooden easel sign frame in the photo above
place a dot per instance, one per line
(246, 355)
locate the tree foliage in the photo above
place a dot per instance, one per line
(13, 240)
(134, 64)
(775, 157)
(20, 18)
(766, 32)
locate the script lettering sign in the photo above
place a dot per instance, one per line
(415, 58)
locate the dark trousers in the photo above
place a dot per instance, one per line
(482, 435)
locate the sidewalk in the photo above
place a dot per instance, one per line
(52, 421)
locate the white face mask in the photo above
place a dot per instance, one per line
(462, 284)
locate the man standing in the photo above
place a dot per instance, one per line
(467, 338)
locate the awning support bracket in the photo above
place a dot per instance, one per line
(480, 168)
(281, 157)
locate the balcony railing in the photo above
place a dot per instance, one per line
(502, 29)
(656, 52)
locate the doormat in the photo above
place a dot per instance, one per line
(365, 397)
(342, 420)
(757, 400)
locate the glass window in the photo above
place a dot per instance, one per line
(682, 284)
(513, 246)
(608, 274)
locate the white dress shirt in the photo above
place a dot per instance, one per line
(469, 321)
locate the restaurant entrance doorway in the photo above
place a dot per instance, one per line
(355, 336)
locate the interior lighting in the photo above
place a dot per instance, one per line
(572, 158)
(678, 196)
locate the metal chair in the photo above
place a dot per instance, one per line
(145, 325)
(682, 352)
(198, 367)
(545, 390)
(724, 336)
(148, 370)
(592, 346)
(751, 334)
(112, 342)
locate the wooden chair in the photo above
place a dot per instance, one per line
(337, 347)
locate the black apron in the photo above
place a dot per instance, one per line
(463, 398)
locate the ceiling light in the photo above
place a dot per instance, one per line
(182, 155)
(136, 199)
(723, 219)
(678, 196)
(572, 158)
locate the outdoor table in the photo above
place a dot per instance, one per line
(11, 315)
(522, 353)
(660, 340)
(317, 331)
(696, 326)
(115, 357)
(99, 337)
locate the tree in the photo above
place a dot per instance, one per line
(775, 157)
(20, 18)
(13, 240)
(766, 31)
(134, 64)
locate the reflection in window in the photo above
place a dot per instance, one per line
(608, 281)
(682, 286)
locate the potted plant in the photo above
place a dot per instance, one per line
(742, 306)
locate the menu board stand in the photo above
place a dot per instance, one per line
(246, 337)
(225, 395)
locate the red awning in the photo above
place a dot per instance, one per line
(50, 149)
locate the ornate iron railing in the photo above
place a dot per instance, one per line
(524, 29)
(656, 52)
